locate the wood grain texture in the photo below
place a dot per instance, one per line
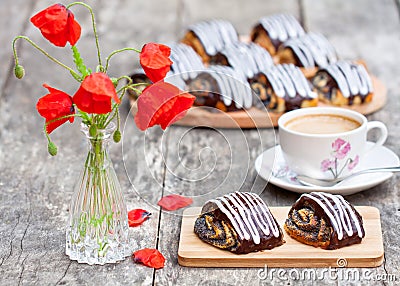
(35, 190)
(193, 252)
(370, 32)
(257, 118)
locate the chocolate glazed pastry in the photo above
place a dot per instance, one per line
(343, 83)
(246, 57)
(222, 88)
(308, 51)
(324, 220)
(284, 88)
(209, 37)
(238, 222)
(270, 32)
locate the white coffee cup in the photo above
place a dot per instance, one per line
(326, 155)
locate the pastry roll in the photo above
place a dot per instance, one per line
(283, 88)
(308, 51)
(238, 222)
(343, 83)
(324, 220)
(248, 58)
(221, 87)
(270, 32)
(207, 38)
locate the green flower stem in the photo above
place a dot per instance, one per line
(138, 91)
(344, 166)
(114, 114)
(333, 173)
(96, 36)
(116, 52)
(118, 119)
(115, 111)
(98, 184)
(42, 51)
(132, 86)
(125, 77)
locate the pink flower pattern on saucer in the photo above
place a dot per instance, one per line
(340, 150)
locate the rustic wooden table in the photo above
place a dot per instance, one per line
(35, 190)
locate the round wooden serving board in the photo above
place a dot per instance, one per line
(256, 118)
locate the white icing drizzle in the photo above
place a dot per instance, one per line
(185, 60)
(247, 214)
(281, 27)
(352, 79)
(270, 223)
(214, 35)
(288, 80)
(249, 58)
(233, 86)
(340, 213)
(312, 49)
(340, 79)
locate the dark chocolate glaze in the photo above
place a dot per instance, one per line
(208, 92)
(258, 212)
(335, 241)
(284, 81)
(279, 28)
(351, 79)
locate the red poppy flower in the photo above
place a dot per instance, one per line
(154, 59)
(137, 216)
(57, 24)
(150, 257)
(163, 104)
(95, 93)
(54, 105)
(174, 202)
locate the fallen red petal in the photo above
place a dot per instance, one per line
(150, 257)
(174, 202)
(137, 216)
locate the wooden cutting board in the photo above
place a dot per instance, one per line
(256, 118)
(193, 252)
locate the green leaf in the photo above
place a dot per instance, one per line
(80, 65)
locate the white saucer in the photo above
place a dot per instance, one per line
(271, 166)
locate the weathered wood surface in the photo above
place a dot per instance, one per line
(35, 189)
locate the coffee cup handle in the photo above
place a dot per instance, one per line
(383, 133)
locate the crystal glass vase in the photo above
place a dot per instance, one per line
(98, 224)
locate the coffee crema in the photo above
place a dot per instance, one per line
(322, 124)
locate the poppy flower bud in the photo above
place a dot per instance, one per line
(19, 71)
(93, 130)
(52, 148)
(117, 136)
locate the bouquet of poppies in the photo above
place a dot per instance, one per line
(98, 227)
(99, 96)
